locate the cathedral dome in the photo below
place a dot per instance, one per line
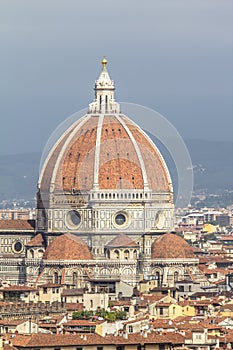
(104, 174)
(67, 247)
(104, 150)
(171, 246)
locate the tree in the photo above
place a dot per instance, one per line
(77, 315)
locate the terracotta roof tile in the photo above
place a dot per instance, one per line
(122, 241)
(74, 306)
(21, 225)
(36, 241)
(171, 246)
(73, 291)
(50, 285)
(117, 157)
(82, 323)
(16, 288)
(26, 341)
(67, 247)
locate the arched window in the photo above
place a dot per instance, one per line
(31, 254)
(135, 254)
(75, 278)
(55, 278)
(126, 254)
(40, 253)
(116, 254)
(158, 278)
(108, 254)
(176, 275)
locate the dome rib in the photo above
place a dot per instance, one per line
(64, 148)
(56, 148)
(137, 150)
(97, 152)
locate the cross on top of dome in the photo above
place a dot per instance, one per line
(104, 102)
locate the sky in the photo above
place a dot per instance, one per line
(174, 56)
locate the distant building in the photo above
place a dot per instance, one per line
(17, 214)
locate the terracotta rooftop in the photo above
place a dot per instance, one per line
(74, 306)
(122, 241)
(15, 288)
(171, 246)
(36, 241)
(67, 247)
(152, 297)
(50, 285)
(212, 259)
(17, 225)
(9, 347)
(226, 238)
(35, 340)
(73, 292)
(227, 307)
(82, 323)
(11, 322)
(136, 320)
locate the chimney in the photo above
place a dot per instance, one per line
(169, 295)
(1, 343)
(125, 335)
(131, 311)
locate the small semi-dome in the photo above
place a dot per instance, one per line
(67, 247)
(121, 241)
(36, 241)
(171, 246)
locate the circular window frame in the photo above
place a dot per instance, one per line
(68, 221)
(125, 224)
(15, 251)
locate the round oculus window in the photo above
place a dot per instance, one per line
(73, 218)
(17, 247)
(120, 219)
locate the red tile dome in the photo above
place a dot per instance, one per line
(112, 154)
(171, 246)
(67, 247)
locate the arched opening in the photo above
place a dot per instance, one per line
(56, 278)
(135, 254)
(108, 254)
(126, 254)
(176, 276)
(40, 253)
(75, 278)
(31, 254)
(116, 254)
(158, 278)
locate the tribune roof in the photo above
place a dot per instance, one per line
(122, 241)
(67, 247)
(171, 246)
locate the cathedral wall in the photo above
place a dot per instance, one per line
(103, 218)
